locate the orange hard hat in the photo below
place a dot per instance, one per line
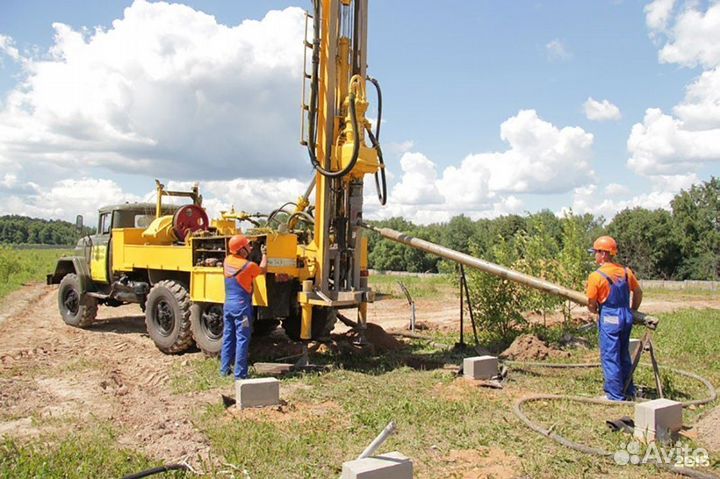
(605, 243)
(237, 242)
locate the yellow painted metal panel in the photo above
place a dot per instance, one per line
(98, 263)
(167, 257)
(208, 285)
(282, 254)
(260, 297)
(364, 253)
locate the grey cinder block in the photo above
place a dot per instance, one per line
(657, 419)
(257, 392)
(392, 465)
(480, 367)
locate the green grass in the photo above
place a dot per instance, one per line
(20, 266)
(680, 294)
(92, 453)
(338, 413)
(419, 287)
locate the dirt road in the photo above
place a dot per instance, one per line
(55, 378)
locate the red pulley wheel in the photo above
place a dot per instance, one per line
(188, 219)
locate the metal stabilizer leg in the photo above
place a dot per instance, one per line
(362, 325)
(304, 360)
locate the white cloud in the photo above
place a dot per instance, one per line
(165, 91)
(662, 145)
(588, 199)
(616, 189)
(668, 145)
(67, 198)
(418, 183)
(694, 39)
(700, 108)
(6, 46)
(399, 148)
(601, 110)
(541, 158)
(557, 51)
(658, 14)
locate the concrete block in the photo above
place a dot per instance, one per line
(480, 367)
(257, 392)
(392, 465)
(657, 419)
(634, 345)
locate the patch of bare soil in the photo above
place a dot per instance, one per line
(381, 341)
(55, 378)
(708, 430)
(482, 463)
(290, 412)
(529, 347)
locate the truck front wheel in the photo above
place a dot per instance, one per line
(76, 308)
(167, 316)
(207, 327)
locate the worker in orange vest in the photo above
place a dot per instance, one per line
(239, 274)
(609, 293)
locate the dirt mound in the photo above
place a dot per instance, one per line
(529, 347)
(379, 339)
(708, 429)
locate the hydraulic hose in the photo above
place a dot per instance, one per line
(356, 147)
(282, 209)
(380, 181)
(312, 109)
(379, 95)
(517, 410)
(157, 470)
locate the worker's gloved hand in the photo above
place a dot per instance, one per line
(651, 322)
(263, 249)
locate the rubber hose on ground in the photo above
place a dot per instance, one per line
(158, 470)
(517, 410)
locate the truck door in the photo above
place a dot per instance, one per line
(99, 256)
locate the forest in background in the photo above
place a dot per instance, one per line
(683, 243)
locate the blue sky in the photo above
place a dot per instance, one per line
(92, 111)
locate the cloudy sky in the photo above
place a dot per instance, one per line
(489, 107)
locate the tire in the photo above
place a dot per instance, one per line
(76, 308)
(167, 317)
(206, 320)
(323, 322)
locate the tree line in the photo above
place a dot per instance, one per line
(15, 229)
(683, 243)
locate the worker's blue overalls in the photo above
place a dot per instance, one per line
(615, 325)
(237, 325)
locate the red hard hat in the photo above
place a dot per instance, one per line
(237, 242)
(605, 243)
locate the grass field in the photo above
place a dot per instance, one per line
(449, 427)
(20, 266)
(444, 423)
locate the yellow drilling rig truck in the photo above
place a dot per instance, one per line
(169, 258)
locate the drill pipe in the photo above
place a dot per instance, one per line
(492, 268)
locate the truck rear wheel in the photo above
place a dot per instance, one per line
(76, 308)
(167, 316)
(323, 322)
(207, 327)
